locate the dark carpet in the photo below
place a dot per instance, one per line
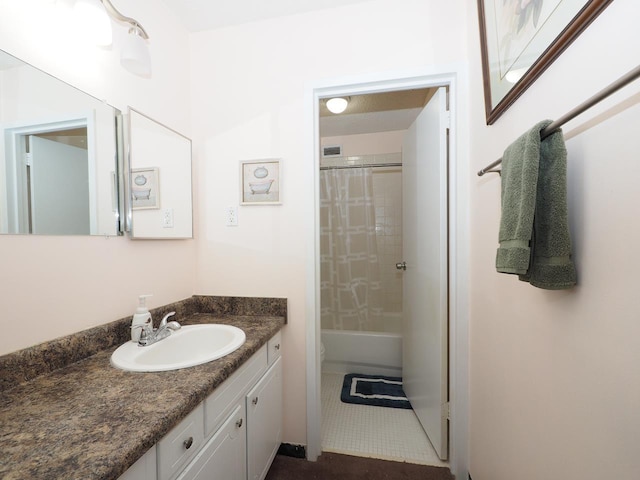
(345, 467)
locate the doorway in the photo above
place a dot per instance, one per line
(314, 368)
(49, 178)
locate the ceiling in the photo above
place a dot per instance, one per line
(375, 112)
(198, 15)
(372, 113)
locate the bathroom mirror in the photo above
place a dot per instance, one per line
(159, 201)
(57, 156)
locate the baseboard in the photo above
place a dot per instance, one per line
(290, 450)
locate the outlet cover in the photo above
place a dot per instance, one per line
(167, 218)
(232, 216)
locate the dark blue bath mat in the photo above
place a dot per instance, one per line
(374, 390)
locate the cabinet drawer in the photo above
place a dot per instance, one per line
(180, 444)
(220, 402)
(275, 348)
(224, 455)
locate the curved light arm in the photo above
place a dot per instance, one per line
(116, 15)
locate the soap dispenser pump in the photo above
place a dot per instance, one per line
(140, 318)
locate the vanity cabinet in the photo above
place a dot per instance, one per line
(233, 435)
(144, 469)
(264, 422)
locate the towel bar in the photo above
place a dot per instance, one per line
(583, 107)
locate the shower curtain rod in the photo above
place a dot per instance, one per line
(362, 165)
(583, 107)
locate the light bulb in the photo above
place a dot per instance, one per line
(337, 105)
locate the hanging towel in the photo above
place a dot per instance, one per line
(534, 229)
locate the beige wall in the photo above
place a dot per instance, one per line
(53, 286)
(555, 383)
(248, 89)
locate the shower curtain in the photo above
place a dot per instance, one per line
(349, 274)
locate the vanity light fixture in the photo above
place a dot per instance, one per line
(135, 55)
(94, 21)
(97, 16)
(337, 104)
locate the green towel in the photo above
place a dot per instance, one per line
(534, 230)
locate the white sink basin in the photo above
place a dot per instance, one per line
(189, 346)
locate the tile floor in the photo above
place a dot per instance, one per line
(376, 432)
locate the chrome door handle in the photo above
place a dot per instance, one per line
(401, 265)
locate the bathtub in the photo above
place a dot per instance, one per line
(370, 353)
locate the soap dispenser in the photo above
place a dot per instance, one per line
(140, 318)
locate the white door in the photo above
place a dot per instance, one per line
(424, 303)
(59, 184)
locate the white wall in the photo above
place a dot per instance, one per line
(53, 286)
(248, 89)
(555, 383)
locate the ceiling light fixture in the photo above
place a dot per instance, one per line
(135, 55)
(337, 104)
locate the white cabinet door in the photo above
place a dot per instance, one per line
(143, 469)
(224, 457)
(264, 422)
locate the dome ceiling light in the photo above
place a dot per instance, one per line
(337, 104)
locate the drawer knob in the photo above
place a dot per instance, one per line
(239, 423)
(187, 443)
(277, 347)
(255, 401)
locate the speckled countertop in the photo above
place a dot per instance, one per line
(88, 420)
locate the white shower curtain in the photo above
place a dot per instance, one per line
(350, 277)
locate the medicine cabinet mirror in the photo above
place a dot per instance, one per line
(58, 156)
(159, 183)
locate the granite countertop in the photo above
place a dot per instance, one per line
(89, 420)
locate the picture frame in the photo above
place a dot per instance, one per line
(260, 182)
(145, 188)
(519, 42)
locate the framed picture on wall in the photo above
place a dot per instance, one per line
(519, 39)
(145, 188)
(260, 182)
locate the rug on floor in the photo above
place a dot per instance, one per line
(374, 390)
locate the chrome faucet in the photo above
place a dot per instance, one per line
(149, 335)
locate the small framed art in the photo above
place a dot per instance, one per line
(260, 182)
(145, 188)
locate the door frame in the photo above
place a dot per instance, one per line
(14, 134)
(453, 77)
